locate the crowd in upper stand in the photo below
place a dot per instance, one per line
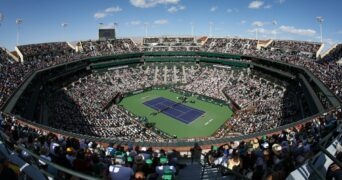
(231, 45)
(329, 73)
(249, 47)
(170, 44)
(302, 53)
(103, 48)
(301, 46)
(46, 51)
(12, 74)
(173, 41)
(335, 54)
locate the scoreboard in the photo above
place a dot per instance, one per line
(106, 34)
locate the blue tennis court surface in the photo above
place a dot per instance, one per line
(175, 110)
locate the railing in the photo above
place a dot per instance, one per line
(323, 142)
(180, 144)
(32, 169)
(310, 170)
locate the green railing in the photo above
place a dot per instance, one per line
(172, 53)
(219, 55)
(115, 57)
(170, 59)
(108, 64)
(225, 62)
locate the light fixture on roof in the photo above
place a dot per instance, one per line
(210, 29)
(320, 21)
(275, 23)
(192, 28)
(146, 26)
(64, 25)
(115, 27)
(100, 25)
(18, 22)
(258, 25)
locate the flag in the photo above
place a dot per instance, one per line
(100, 25)
(18, 21)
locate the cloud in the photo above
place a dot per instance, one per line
(280, 1)
(268, 6)
(293, 30)
(106, 12)
(258, 23)
(229, 10)
(174, 9)
(108, 26)
(213, 8)
(255, 4)
(151, 3)
(339, 32)
(261, 31)
(135, 22)
(161, 21)
(113, 9)
(254, 30)
(99, 15)
(243, 22)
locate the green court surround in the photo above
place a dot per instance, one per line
(215, 114)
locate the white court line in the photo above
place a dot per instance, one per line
(145, 97)
(205, 124)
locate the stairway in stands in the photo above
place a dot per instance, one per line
(193, 171)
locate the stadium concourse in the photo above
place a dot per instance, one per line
(274, 155)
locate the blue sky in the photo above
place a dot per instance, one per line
(295, 19)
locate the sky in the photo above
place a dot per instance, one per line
(282, 19)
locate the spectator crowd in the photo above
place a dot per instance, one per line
(88, 157)
(274, 155)
(239, 86)
(272, 106)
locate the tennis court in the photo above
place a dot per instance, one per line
(175, 110)
(204, 125)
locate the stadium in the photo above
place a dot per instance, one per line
(171, 106)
